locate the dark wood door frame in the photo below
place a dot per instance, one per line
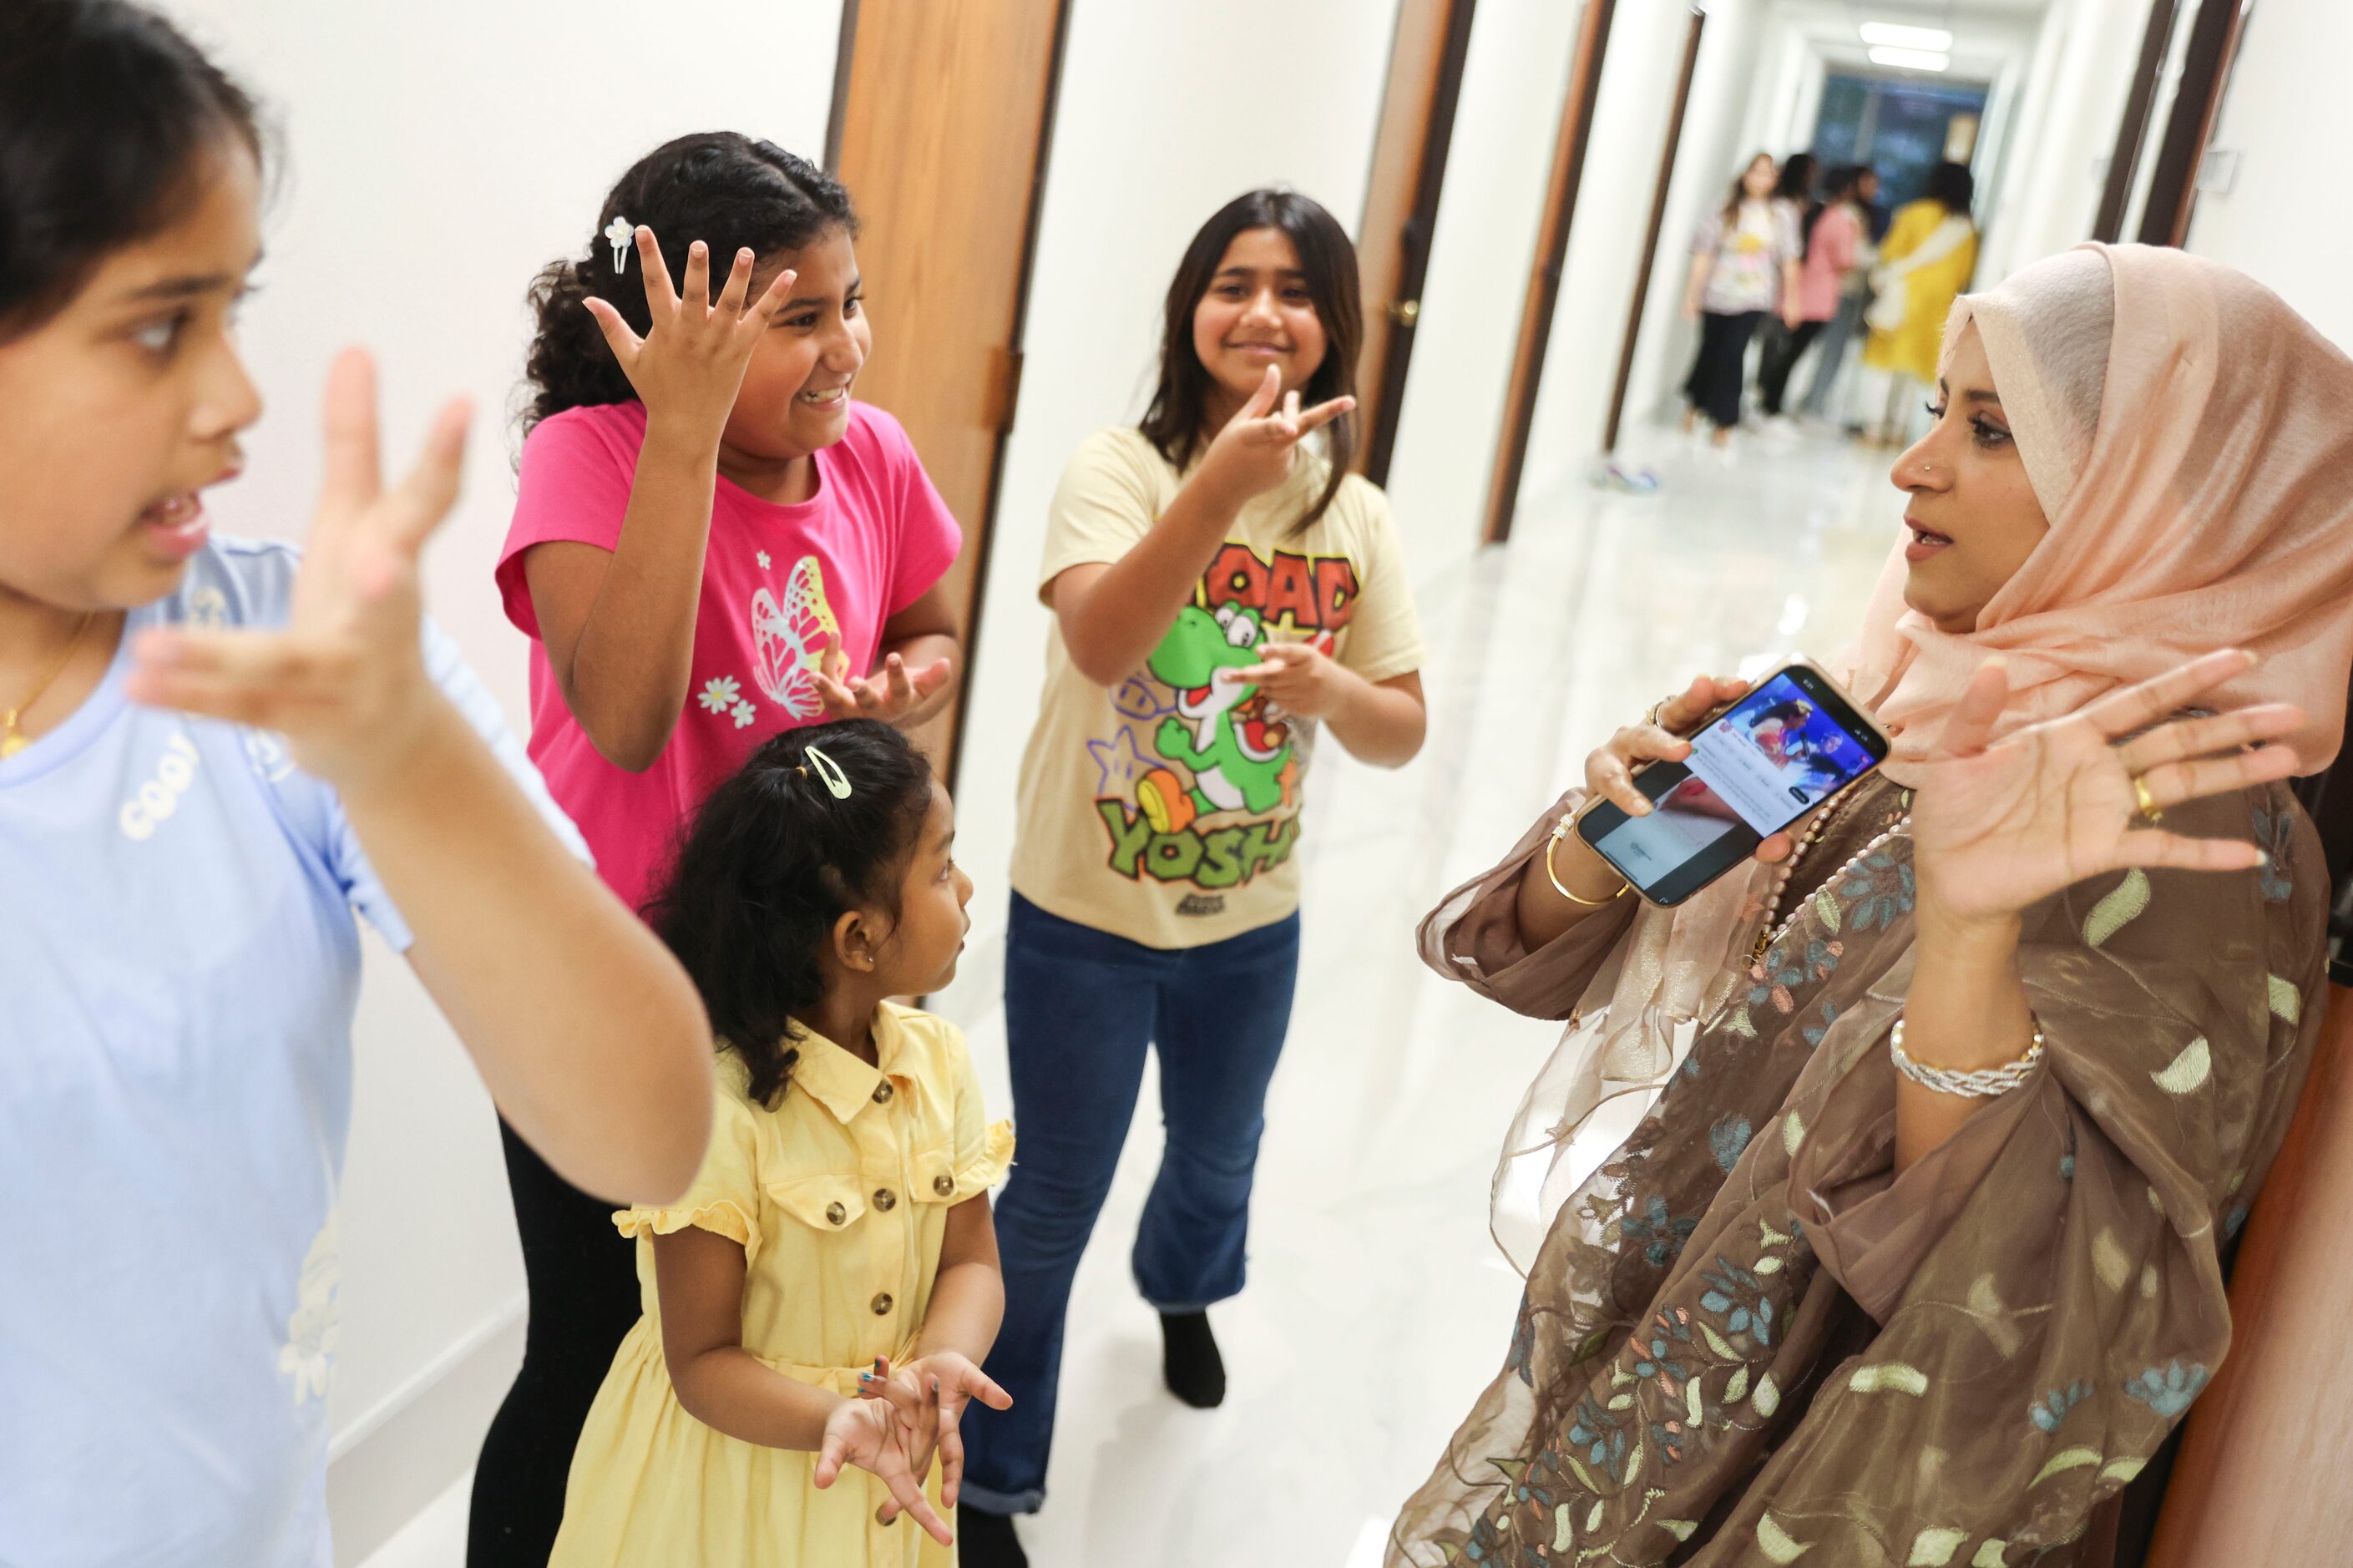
(2173, 184)
(1410, 152)
(980, 532)
(1551, 254)
(836, 117)
(2132, 130)
(984, 551)
(1658, 223)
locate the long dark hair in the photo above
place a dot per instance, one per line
(1740, 190)
(772, 862)
(1952, 187)
(1178, 422)
(106, 113)
(1796, 180)
(726, 190)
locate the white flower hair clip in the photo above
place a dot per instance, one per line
(618, 234)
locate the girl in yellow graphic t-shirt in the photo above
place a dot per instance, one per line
(1222, 589)
(817, 1305)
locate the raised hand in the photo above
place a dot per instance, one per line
(1253, 454)
(866, 1434)
(345, 679)
(1999, 826)
(690, 364)
(889, 696)
(929, 1396)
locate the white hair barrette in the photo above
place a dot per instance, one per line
(829, 772)
(618, 234)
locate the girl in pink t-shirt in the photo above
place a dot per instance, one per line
(712, 543)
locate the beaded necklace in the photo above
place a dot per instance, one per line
(1775, 927)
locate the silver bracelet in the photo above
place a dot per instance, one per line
(1983, 1083)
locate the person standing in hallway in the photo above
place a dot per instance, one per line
(713, 542)
(1929, 255)
(217, 756)
(1853, 290)
(1793, 196)
(1744, 264)
(1833, 248)
(1221, 591)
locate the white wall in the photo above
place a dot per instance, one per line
(1513, 79)
(2060, 161)
(1168, 109)
(436, 154)
(1717, 141)
(1605, 245)
(2284, 219)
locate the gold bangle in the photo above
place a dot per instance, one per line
(1559, 832)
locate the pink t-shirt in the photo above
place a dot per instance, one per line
(1836, 234)
(777, 581)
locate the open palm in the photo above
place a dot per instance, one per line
(1999, 826)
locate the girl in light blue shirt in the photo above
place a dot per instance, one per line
(211, 754)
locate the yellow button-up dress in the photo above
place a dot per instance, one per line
(840, 1197)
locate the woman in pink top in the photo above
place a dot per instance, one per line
(1833, 251)
(712, 543)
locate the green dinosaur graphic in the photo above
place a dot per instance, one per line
(1239, 757)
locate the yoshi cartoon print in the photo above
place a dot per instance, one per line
(1167, 806)
(1201, 778)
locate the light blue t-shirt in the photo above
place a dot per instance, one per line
(178, 969)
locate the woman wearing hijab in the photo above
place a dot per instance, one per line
(1913, 1258)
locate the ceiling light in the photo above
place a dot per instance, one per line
(1912, 59)
(1900, 38)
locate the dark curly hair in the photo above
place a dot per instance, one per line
(724, 189)
(106, 113)
(772, 862)
(1178, 422)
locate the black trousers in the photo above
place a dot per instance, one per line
(1783, 350)
(1720, 367)
(583, 1277)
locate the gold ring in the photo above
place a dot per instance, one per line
(2149, 807)
(1652, 717)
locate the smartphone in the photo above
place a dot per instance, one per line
(1755, 767)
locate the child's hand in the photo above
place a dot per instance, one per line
(889, 695)
(690, 364)
(929, 1395)
(1253, 454)
(345, 679)
(1299, 677)
(868, 1435)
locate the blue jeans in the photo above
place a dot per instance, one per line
(1080, 1008)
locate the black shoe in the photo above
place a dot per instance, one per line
(1189, 1360)
(986, 1540)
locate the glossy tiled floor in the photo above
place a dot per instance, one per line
(1377, 1304)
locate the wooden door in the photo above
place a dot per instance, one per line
(942, 112)
(1417, 128)
(1569, 145)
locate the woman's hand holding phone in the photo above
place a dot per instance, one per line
(1609, 769)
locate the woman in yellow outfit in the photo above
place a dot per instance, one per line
(820, 1300)
(1928, 258)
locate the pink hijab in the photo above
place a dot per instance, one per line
(2190, 438)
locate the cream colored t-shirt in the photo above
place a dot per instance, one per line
(1167, 811)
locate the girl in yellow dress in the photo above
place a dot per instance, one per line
(818, 1305)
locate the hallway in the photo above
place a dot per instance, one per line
(1377, 1304)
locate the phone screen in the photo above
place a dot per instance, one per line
(1758, 767)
